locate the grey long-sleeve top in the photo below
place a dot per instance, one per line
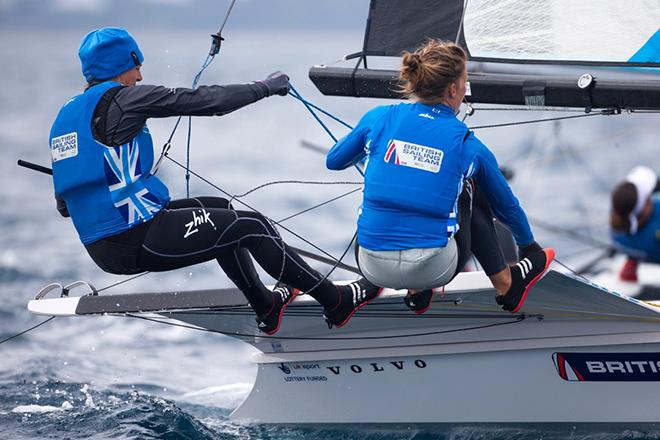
(123, 111)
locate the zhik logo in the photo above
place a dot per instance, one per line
(198, 219)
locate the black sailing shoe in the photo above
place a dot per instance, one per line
(523, 276)
(353, 297)
(419, 302)
(270, 321)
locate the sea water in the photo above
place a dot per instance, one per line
(115, 377)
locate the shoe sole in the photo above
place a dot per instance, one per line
(549, 257)
(281, 314)
(350, 315)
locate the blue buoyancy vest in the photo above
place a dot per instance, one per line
(645, 244)
(107, 190)
(418, 158)
(412, 179)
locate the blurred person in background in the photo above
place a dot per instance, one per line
(635, 220)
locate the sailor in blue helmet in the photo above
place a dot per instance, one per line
(429, 188)
(102, 156)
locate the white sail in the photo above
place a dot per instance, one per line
(602, 30)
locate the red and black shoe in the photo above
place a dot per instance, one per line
(629, 271)
(523, 276)
(270, 321)
(352, 297)
(419, 302)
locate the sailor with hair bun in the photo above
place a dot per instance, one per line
(432, 189)
(102, 157)
(635, 220)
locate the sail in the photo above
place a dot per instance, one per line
(564, 31)
(560, 30)
(545, 46)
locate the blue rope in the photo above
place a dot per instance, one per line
(294, 93)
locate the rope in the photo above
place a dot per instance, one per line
(215, 49)
(530, 109)
(579, 275)
(534, 121)
(320, 204)
(332, 269)
(293, 92)
(518, 318)
(302, 182)
(253, 209)
(296, 95)
(123, 281)
(28, 330)
(586, 239)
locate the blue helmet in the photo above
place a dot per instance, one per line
(107, 52)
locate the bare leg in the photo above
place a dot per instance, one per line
(501, 280)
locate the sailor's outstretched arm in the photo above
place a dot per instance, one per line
(130, 107)
(504, 203)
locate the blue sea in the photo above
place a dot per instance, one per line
(113, 377)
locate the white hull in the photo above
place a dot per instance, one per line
(577, 354)
(519, 386)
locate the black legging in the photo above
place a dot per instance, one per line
(476, 234)
(192, 231)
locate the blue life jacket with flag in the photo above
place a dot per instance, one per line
(107, 190)
(418, 158)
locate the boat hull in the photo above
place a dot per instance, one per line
(502, 387)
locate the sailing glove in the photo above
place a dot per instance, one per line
(526, 251)
(277, 83)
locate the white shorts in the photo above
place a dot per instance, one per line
(410, 268)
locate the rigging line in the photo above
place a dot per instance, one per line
(534, 121)
(320, 204)
(325, 112)
(587, 267)
(216, 41)
(518, 318)
(329, 261)
(325, 127)
(302, 182)
(600, 244)
(583, 146)
(293, 92)
(383, 301)
(574, 272)
(123, 281)
(530, 109)
(224, 22)
(365, 313)
(28, 330)
(332, 269)
(203, 179)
